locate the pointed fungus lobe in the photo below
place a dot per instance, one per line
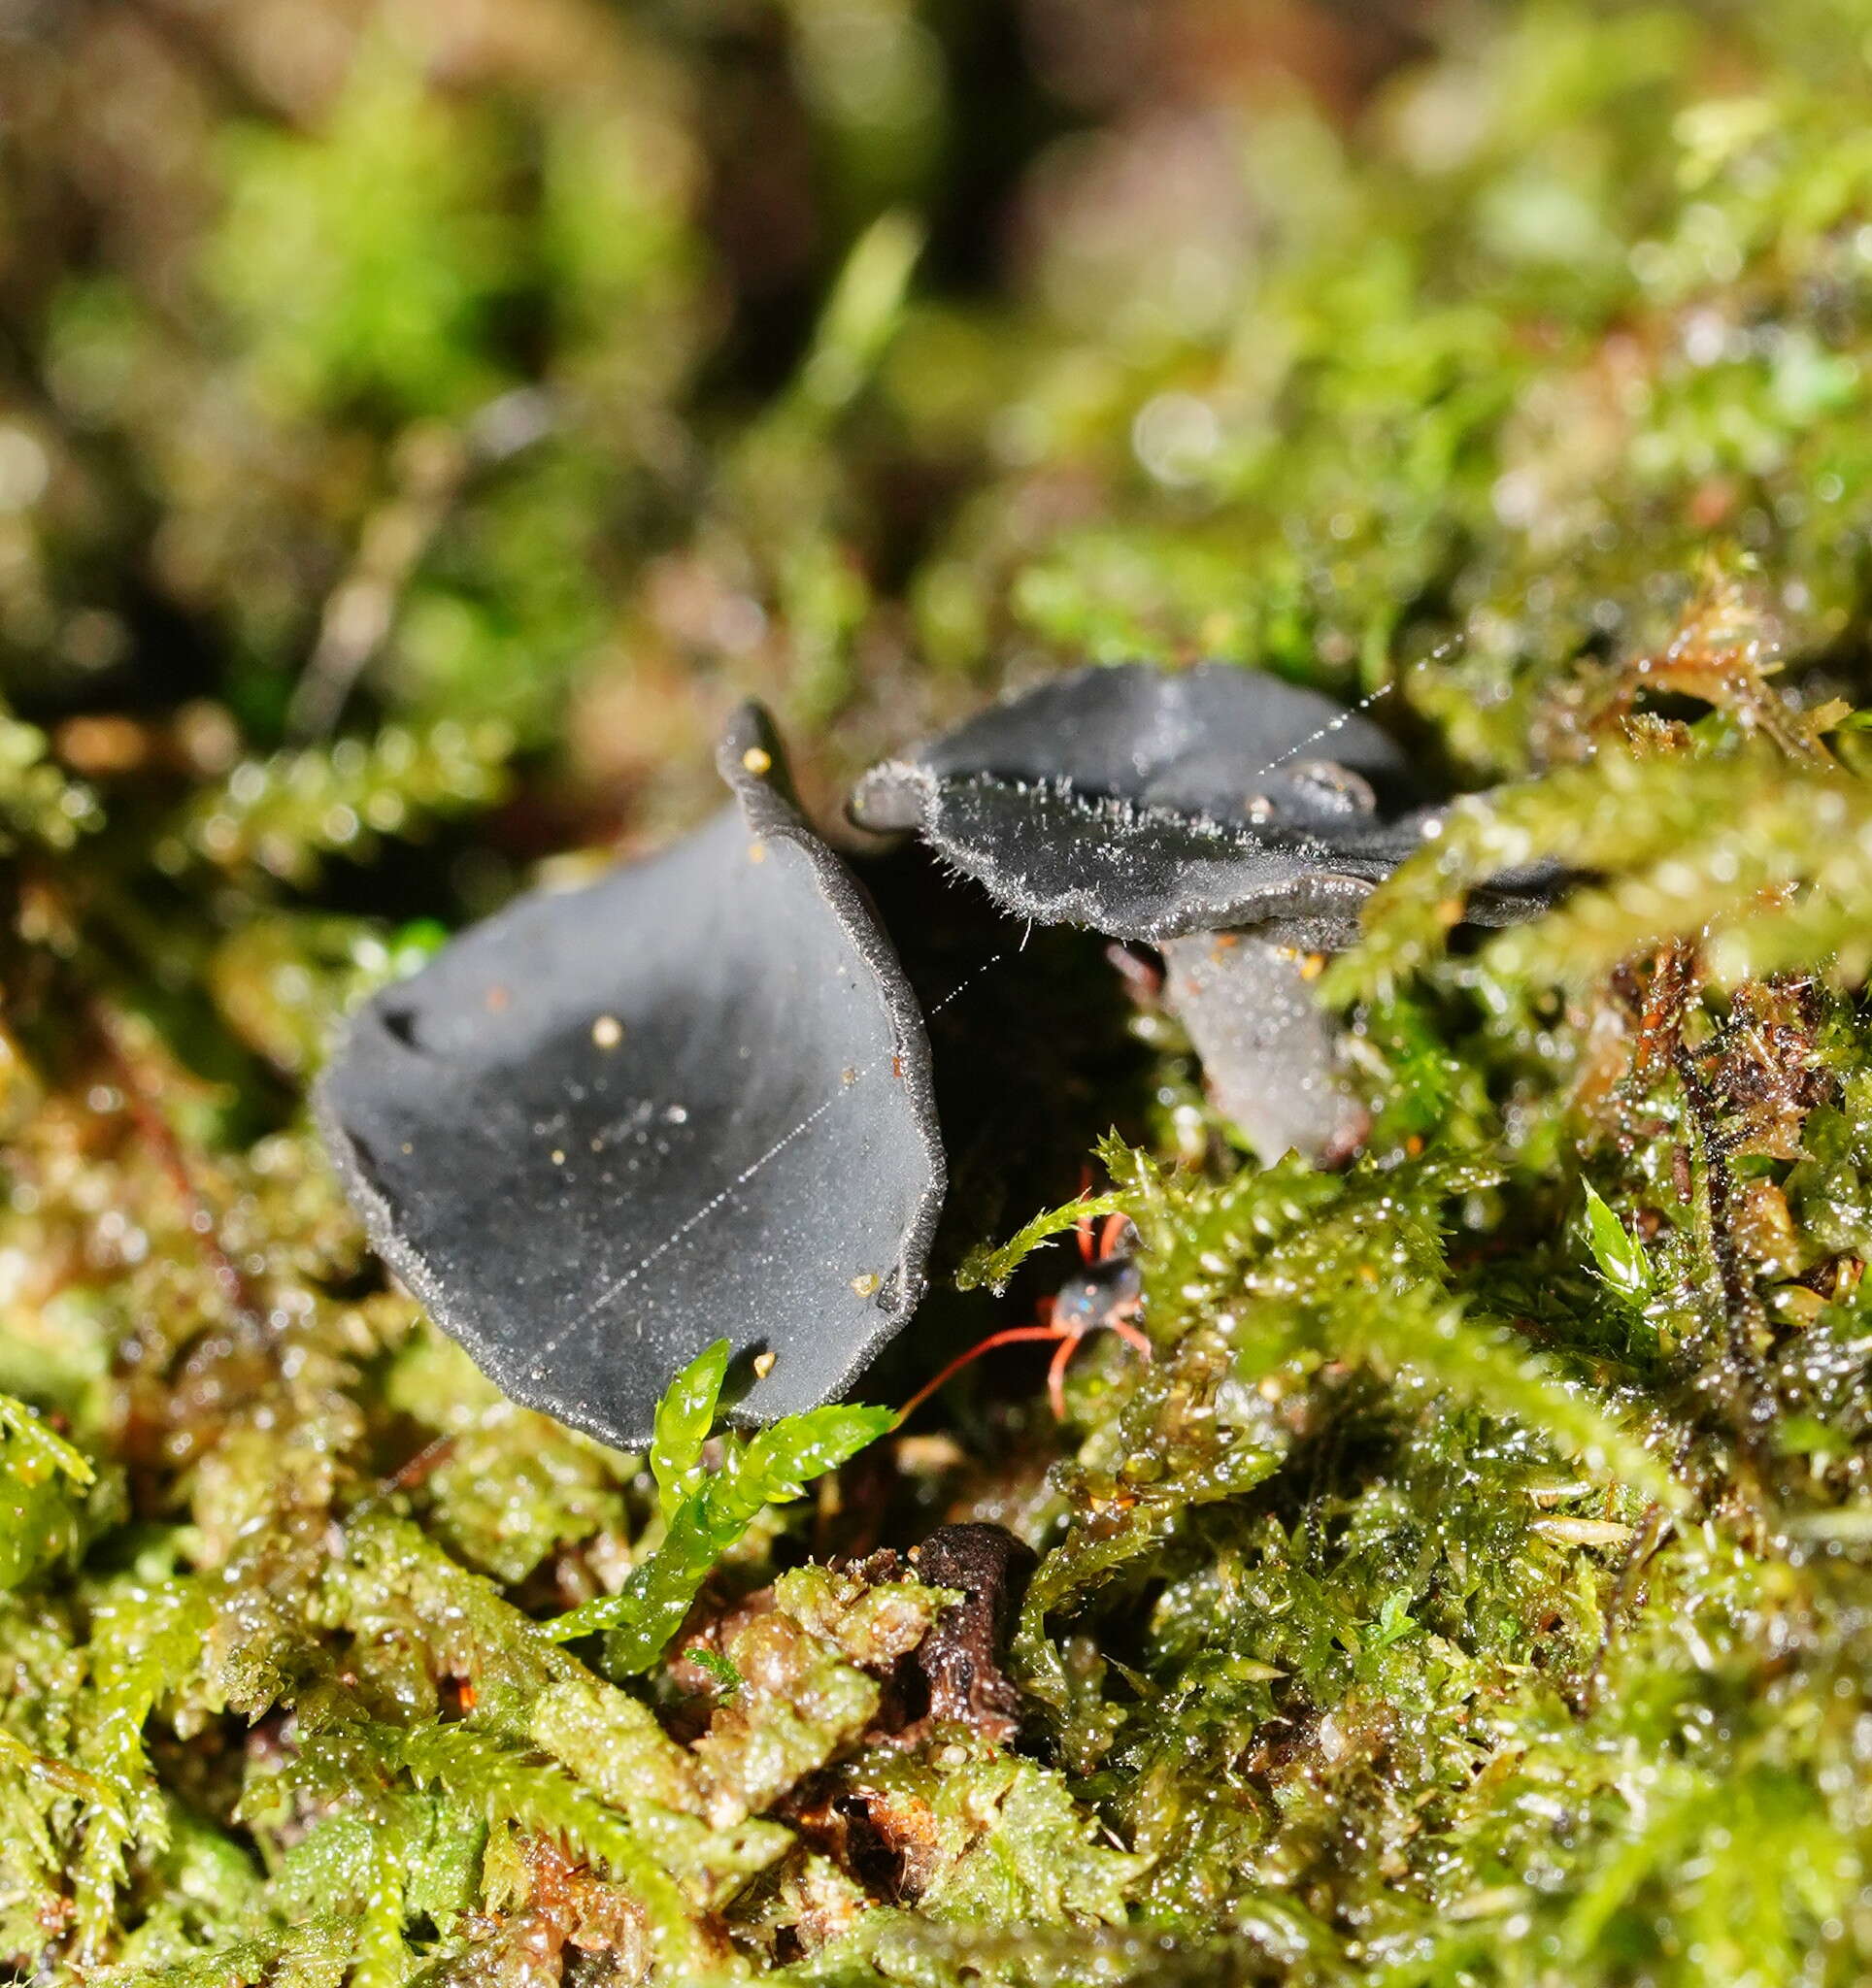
(1150, 803)
(607, 1126)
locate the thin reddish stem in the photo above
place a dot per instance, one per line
(153, 1122)
(416, 1467)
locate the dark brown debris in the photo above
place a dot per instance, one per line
(960, 1659)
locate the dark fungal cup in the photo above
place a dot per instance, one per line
(1148, 803)
(692, 1099)
(1234, 821)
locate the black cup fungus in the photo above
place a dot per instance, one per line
(689, 1101)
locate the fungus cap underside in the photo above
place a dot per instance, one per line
(1150, 803)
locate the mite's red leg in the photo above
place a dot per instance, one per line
(1011, 1337)
(1130, 1333)
(1113, 1227)
(1083, 1229)
(1056, 1374)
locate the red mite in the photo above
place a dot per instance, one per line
(1107, 1292)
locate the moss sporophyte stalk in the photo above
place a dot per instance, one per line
(417, 435)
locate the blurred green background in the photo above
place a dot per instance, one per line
(584, 367)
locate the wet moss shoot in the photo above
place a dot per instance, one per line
(419, 426)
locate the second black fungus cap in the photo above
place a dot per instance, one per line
(689, 1101)
(1150, 803)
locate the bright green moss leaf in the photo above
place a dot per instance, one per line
(769, 1468)
(874, 1623)
(1037, 1861)
(684, 1418)
(1619, 1255)
(41, 1477)
(993, 1267)
(285, 814)
(38, 803)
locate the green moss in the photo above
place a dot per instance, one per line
(399, 469)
